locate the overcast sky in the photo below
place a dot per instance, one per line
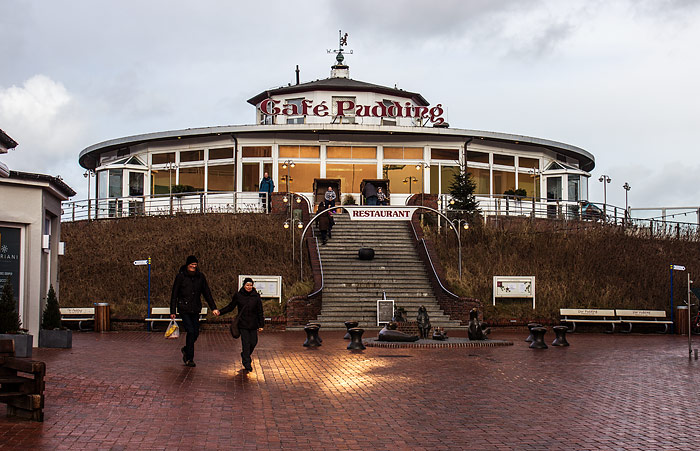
(618, 78)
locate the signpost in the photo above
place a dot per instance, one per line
(142, 263)
(385, 311)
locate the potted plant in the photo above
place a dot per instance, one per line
(52, 335)
(11, 325)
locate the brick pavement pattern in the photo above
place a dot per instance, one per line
(129, 390)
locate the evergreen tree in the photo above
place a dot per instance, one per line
(52, 314)
(462, 191)
(9, 318)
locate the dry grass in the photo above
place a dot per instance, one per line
(578, 267)
(98, 265)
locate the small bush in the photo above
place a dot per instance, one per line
(9, 318)
(52, 313)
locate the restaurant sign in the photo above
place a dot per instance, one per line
(272, 107)
(381, 213)
(9, 258)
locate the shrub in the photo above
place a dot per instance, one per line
(349, 199)
(9, 318)
(52, 314)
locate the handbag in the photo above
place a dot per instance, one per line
(233, 328)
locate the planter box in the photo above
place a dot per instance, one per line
(55, 338)
(23, 343)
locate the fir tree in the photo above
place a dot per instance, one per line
(52, 314)
(462, 191)
(9, 318)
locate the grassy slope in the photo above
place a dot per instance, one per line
(591, 267)
(98, 262)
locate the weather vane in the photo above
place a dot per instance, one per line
(342, 41)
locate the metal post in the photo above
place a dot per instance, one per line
(690, 347)
(148, 325)
(672, 323)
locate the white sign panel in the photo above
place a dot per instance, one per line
(514, 287)
(267, 286)
(385, 311)
(381, 213)
(678, 268)
(140, 262)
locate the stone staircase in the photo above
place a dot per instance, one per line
(353, 286)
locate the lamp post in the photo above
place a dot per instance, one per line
(535, 174)
(627, 188)
(287, 164)
(170, 166)
(89, 173)
(288, 199)
(410, 180)
(605, 179)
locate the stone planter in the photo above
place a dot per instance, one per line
(55, 338)
(23, 343)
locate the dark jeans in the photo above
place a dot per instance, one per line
(249, 338)
(190, 321)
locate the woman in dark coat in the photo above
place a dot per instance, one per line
(324, 221)
(251, 320)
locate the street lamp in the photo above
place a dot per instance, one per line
(627, 188)
(410, 180)
(170, 166)
(290, 224)
(287, 164)
(289, 199)
(605, 179)
(89, 173)
(461, 222)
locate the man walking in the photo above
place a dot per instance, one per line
(188, 288)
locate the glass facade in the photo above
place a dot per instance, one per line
(399, 176)
(481, 178)
(351, 175)
(527, 182)
(161, 181)
(163, 158)
(299, 152)
(301, 177)
(503, 181)
(221, 154)
(221, 177)
(351, 152)
(193, 177)
(403, 153)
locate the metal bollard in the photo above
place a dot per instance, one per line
(349, 325)
(530, 326)
(538, 338)
(311, 337)
(318, 336)
(560, 332)
(356, 338)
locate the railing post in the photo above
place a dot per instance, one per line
(73, 214)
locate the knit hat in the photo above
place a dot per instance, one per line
(191, 259)
(246, 280)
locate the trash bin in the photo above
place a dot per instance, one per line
(681, 322)
(101, 317)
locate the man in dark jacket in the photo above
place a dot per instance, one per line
(250, 321)
(267, 186)
(188, 288)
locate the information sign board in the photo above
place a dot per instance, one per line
(267, 286)
(385, 311)
(514, 287)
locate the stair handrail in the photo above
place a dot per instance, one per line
(430, 260)
(320, 264)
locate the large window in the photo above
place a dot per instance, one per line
(163, 158)
(351, 152)
(193, 177)
(477, 157)
(221, 154)
(256, 151)
(527, 182)
(301, 177)
(221, 177)
(503, 160)
(161, 181)
(299, 152)
(191, 155)
(481, 179)
(403, 178)
(444, 154)
(574, 187)
(503, 181)
(403, 153)
(351, 175)
(115, 183)
(136, 183)
(531, 163)
(295, 119)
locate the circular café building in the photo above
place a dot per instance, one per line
(335, 131)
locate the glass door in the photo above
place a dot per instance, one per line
(554, 194)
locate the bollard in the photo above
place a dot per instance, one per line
(311, 337)
(101, 317)
(318, 337)
(356, 338)
(560, 332)
(349, 325)
(529, 327)
(538, 338)
(696, 354)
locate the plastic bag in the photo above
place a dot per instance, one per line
(173, 330)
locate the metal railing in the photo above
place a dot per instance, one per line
(167, 204)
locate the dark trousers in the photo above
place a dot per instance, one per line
(190, 321)
(249, 338)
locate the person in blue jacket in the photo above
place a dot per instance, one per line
(267, 185)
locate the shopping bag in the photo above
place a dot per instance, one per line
(173, 331)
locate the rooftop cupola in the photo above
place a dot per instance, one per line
(339, 69)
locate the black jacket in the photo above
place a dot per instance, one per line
(188, 290)
(250, 305)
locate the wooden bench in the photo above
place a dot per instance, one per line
(162, 314)
(21, 384)
(72, 314)
(593, 316)
(631, 317)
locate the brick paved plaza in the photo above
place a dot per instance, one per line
(129, 390)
